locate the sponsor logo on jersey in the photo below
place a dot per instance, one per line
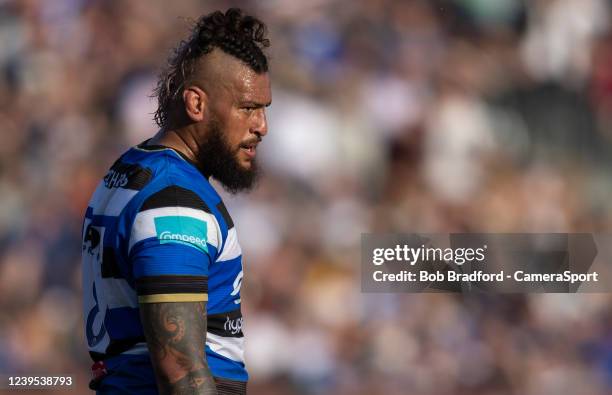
(124, 175)
(91, 241)
(183, 230)
(233, 326)
(115, 179)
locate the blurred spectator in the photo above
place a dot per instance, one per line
(415, 115)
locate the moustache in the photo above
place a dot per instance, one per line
(251, 142)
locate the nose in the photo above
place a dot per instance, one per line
(260, 123)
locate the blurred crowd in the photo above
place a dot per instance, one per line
(387, 116)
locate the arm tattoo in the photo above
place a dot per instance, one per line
(176, 336)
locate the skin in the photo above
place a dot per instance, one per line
(228, 91)
(225, 89)
(176, 336)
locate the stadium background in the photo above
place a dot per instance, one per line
(431, 116)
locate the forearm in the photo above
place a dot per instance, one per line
(176, 334)
(198, 382)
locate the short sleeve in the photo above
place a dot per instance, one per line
(173, 240)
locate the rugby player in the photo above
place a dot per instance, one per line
(162, 267)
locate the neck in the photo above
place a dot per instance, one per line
(181, 140)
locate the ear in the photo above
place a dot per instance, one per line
(196, 102)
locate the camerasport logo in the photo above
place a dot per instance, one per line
(233, 326)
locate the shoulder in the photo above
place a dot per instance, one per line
(165, 179)
(176, 197)
(171, 212)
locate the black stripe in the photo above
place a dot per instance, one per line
(139, 179)
(153, 285)
(174, 196)
(225, 214)
(126, 175)
(227, 324)
(230, 387)
(110, 267)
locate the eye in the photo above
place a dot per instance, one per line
(250, 108)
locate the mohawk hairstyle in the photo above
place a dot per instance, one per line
(236, 34)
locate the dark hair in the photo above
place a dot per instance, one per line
(236, 34)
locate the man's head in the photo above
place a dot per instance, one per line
(217, 83)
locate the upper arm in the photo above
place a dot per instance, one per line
(173, 240)
(173, 232)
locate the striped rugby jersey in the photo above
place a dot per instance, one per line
(155, 230)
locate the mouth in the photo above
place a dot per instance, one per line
(249, 149)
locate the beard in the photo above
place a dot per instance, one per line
(219, 160)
